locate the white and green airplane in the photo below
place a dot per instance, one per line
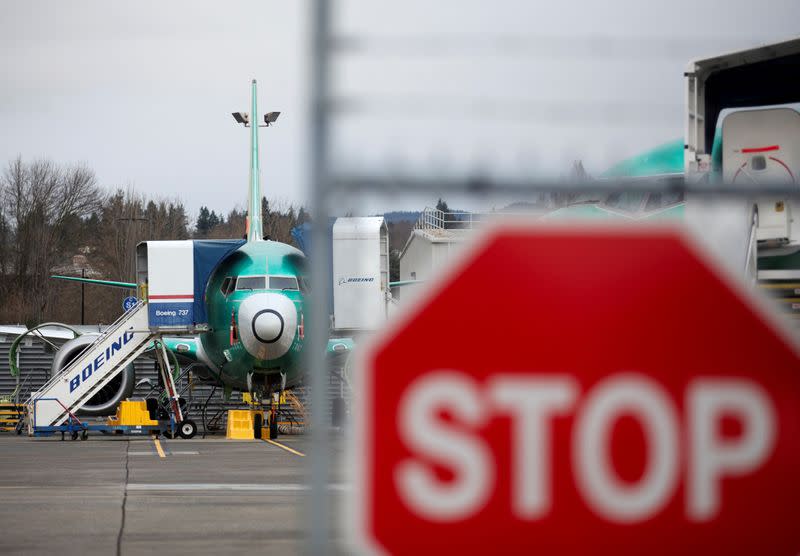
(766, 153)
(255, 306)
(663, 163)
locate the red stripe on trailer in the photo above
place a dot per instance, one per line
(762, 149)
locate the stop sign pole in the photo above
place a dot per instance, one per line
(591, 390)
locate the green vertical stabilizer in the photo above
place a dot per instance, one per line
(255, 229)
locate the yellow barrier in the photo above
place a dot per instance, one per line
(132, 413)
(10, 414)
(240, 423)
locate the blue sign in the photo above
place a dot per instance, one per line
(129, 303)
(178, 313)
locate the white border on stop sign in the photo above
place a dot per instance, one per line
(357, 500)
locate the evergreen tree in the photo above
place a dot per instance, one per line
(214, 220)
(204, 222)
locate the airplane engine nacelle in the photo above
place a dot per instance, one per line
(105, 402)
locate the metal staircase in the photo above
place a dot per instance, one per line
(68, 390)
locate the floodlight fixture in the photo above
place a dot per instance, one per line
(271, 117)
(241, 117)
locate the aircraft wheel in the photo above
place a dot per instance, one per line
(273, 429)
(187, 429)
(74, 435)
(84, 435)
(258, 423)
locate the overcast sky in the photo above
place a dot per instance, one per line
(142, 91)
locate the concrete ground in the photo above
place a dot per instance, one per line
(114, 495)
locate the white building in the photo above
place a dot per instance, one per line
(439, 236)
(427, 251)
(433, 242)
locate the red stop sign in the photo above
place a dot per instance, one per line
(581, 391)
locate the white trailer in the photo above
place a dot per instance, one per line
(743, 126)
(361, 297)
(167, 268)
(756, 77)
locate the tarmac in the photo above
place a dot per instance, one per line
(135, 495)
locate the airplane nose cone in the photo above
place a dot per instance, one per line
(267, 325)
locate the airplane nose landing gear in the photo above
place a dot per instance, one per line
(273, 421)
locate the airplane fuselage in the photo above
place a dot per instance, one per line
(255, 313)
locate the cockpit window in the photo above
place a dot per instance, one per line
(251, 283)
(282, 283)
(225, 284)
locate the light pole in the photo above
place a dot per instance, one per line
(254, 227)
(83, 307)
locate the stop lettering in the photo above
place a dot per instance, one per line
(599, 390)
(532, 402)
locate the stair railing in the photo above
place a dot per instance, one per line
(75, 362)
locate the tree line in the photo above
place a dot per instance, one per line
(57, 219)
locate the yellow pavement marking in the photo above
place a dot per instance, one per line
(285, 447)
(159, 449)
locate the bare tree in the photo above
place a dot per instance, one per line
(232, 227)
(122, 226)
(279, 218)
(167, 219)
(127, 219)
(45, 203)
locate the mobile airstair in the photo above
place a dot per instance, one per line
(53, 408)
(68, 390)
(171, 278)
